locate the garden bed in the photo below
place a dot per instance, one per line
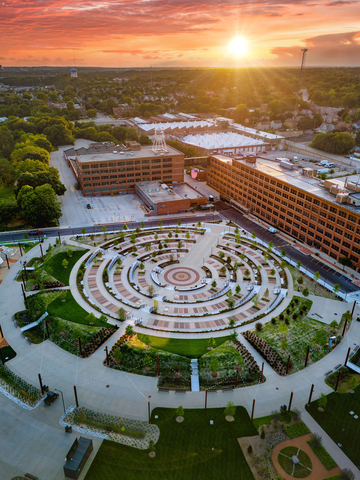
(18, 387)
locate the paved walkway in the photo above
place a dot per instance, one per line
(119, 393)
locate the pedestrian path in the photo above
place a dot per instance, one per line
(195, 384)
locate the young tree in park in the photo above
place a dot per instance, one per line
(119, 262)
(69, 252)
(253, 235)
(122, 314)
(230, 409)
(83, 231)
(238, 239)
(180, 244)
(103, 318)
(272, 271)
(223, 270)
(187, 235)
(235, 266)
(221, 254)
(179, 223)
(198, 225)
(104, 231)
(336, 288)
(298, 264)
(142, 266)
(125, 227)
(156, 236)
(213, 284)
(305, 292)
(91, 319)
(156, 306)
(237, 289)
(170, 234)
(147, 247)
(142, 224)
(153, 255)
(212, 343)
(160, 246)
(282, 264)
(228, 260)
(247, 272)
(316, 278)
(179, 411)
(236, 231)
(283, 253)
(266, 294)
(160, 224)
(134, 249)
(233, 336)
(229, 294)
(300, 280)
(271, 244)
(151, 290)
(129, 330)
(242, 256)
(133, 238)
(232, 322)
(65, 263)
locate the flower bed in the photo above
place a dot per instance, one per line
(18, 387)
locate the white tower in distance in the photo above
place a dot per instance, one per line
(159, 144)
(73, 73)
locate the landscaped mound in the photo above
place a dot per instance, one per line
(295, 462)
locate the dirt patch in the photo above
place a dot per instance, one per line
(229, 418)
(179, 419)
(152, 454)
(319, 472)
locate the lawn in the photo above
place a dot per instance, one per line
(8, 353)
(55, 264)
(338, 423)
(192, 348)
(69, 310)
(190, 450)
(301, 470)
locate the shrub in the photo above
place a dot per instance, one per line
(297, 429)
(316, 440)
(262, 434)
(249, 449)
(129, 330)
(230, 409)
(347, 474)
(273, 321)
(180, 411)
(259, 326)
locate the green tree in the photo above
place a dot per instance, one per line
(160, 224)
(122, 314)
(334, 142)
(39, 206)
(129, 330)
(156, 306)
(237, 289)
(83, 231)
(151, 290)
(305, 292)
(316, 278)
(213, 284)
(230, 409)
(65, 263)
(322, 402)
(180, 244)
(232, 323)
(298, 264)
(241, 113)
(187, 235)
(336, 288)
(92, 113)
(104, 230)
(179, 411)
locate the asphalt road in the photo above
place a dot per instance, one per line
(312, 264)
(53, 232)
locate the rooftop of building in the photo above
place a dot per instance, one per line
(295, 178)
(165, 126)
(158, 192)
(221, 140)
(98, 152)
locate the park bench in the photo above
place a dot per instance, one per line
(164, 390)
(338, 366)
(212, 391)
(228, 389)
(328, 373)
(28, 476)
(180, 391)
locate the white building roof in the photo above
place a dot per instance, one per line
(175, 125)
(139, 120)
(253, 131)
(221, 140)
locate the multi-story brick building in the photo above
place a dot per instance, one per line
(109, 169)
(327, 218)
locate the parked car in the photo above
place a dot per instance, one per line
(88, 206)
(51, 397)
(272, 230)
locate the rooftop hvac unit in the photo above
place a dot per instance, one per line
(157, 189)
(149, 190)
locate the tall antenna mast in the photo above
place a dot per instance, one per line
(151, 75)
(304, 50)
(159, 144)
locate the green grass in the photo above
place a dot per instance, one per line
(26, 247)
(297, 429)
(55, 263)
(302, 469)
(8, 353)
(337, 417)
(7, 193)
(192, 348)
(69, 310)
(191, 450)
(324, 457)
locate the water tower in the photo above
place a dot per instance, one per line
(73, 73)
(159, 144)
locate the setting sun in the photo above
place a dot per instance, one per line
(238, 46)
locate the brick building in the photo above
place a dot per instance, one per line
(106, 169)
(326, 216)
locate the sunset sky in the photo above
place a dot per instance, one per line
(135, 33)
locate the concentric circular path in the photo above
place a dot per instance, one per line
(181, 276)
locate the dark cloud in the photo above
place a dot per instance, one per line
(338, 3)
(336, 49)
